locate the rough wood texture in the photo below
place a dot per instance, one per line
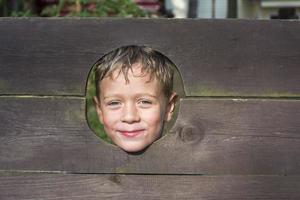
(209, 137)
(54, 186)
(216, 58)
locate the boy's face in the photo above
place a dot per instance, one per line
(133, 113)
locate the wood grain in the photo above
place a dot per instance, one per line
(215, 57)
(254, 137)
(55, 186)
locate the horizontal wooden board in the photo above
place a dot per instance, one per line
(209, 137)
(215, 57)
(56, 186)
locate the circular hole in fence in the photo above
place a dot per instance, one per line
(110, 61)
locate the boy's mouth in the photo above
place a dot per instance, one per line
(131, 134)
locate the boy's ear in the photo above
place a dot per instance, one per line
(98, 108)
(171, 106)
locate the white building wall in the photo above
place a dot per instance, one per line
(221, 8)
(178, 7)
(205, 9)
(246, 9)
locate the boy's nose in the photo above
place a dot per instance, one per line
(130, 114)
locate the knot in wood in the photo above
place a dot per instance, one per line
(116, 179)
(190, 134)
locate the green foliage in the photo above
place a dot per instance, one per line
(74, 8)
(17, 8)
(53, 10)
(25, 13)
(94, 8)
(121, 8)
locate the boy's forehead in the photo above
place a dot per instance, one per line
(134, 72)
(134, 78)
(136, 69)
(136, 82)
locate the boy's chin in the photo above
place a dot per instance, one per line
(134, 148)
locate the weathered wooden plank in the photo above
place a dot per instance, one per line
(247, 137)
(249, 117)
(55, 186)
(215, 57)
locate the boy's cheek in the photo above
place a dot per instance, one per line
(107, 117)
(153, 117)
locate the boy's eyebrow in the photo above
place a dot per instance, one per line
(111, 96)
(147, 94)
(139, 94)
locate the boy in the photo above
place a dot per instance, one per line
(134, 87)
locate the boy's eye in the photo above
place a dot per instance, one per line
(145, 103)
(113, 103)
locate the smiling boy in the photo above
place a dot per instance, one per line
(134, 87)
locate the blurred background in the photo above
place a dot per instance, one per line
(242, 9)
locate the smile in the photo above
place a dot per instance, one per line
(131, 134)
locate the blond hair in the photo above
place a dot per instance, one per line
(152, 62)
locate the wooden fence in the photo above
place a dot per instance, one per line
(237, 135)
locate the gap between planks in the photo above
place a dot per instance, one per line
(42, 172)
(234, 98)
(42, 96)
